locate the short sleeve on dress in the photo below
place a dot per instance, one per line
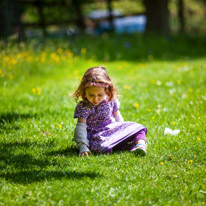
(82, 110)
(116, 105)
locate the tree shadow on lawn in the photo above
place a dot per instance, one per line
(30, 176)
(69, 151)
(11, 117)
(25, 168)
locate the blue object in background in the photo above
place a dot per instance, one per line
(130, 24)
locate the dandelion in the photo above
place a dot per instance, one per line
(149, 110)
(11, 76)
(53, 55)
(136, 105)
(198, 138)
(63, 58)
(175, 148)
(83, 50)
(174, 123)
(60, 50)
(178, 82)
(60, 126)
(7, 59)
(19, 56)
(38, 91)
(127, 87)
(57, 59)
(13, 61)
(162, 163)
(70, 54)
(190, 90)
(43, 60)
(190, 161)
(34, 90)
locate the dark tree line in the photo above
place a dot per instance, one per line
(157, 14)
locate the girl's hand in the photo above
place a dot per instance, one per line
(84, 154)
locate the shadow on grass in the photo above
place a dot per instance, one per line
(30, 176)
(14, 155)
(8, 119)
(69, 151)
(17, 166)
(13, 116)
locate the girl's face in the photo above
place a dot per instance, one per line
(95, 95)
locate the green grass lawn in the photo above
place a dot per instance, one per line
(162, 83)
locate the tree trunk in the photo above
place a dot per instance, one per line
(157, 17)
(80, 19)
(41, 17)
(10, 19)
(181, 16)
(109, 6)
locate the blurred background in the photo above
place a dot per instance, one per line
(25, 19)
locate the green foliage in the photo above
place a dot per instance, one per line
(161, 83)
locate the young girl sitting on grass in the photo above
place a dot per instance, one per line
(100, 126)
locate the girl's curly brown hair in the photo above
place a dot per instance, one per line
(96, 75)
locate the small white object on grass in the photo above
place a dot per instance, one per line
(171, 132)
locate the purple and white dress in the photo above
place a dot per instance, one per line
(103, 132)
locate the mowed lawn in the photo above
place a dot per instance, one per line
(161, 83)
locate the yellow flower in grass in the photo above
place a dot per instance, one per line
(162, 163)
(178, 82)
(11, 76)
(83, 50)
(149, 110)
(6, 59)
(175, 148)
(60, 50)
(191, 161)
(190, 90)
(70, 54)
(57, 59)
(174, 123)
(60, 126)
(13, 61)
(34, 90)
(38, 91)
(153, 81)
(136, 105)
(127, 87)
(198, 138)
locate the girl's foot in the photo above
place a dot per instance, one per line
(139, 149)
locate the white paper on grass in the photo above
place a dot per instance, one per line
(170, 131)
